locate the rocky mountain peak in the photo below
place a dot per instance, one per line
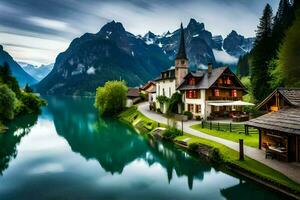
(113, 27)
(193, 24)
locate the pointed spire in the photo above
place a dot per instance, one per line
(181, 51)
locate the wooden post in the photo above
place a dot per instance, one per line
(241, 141)
(259, 138)
(246, 130)
(158, 124)
(202, 124)
(297, 149)
(230, 128)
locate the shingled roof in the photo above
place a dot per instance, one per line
(207, 79)
(290, 95)
(286, 120)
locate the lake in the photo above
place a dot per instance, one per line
(69, 152)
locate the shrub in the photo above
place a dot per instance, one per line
(188, 114)
(171, 133)
(158, 110)
(31, 102)
(216, 156)
(193, 146)
(111, 98)
(7, 102)
(198, 117)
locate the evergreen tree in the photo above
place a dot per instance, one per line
(261, 55)
(7, 78)
(282, 21)
(288, 68)
(27, 88)
(243, 66)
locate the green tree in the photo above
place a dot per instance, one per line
(288, 68)
(111, 98)
(7, 102)
(243, 66)
(7, 78)
(260, 57)
(27, 88)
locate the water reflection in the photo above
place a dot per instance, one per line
(20, 127)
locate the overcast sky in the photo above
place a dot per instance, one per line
(35, 31)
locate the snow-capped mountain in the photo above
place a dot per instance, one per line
(37, 72)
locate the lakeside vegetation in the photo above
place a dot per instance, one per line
(13, 100)
(230, 157)
(111, 98)
(249, 140)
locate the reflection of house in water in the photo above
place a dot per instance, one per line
(20, 127)
(279, 130)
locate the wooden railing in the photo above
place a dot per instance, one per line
(225, 98)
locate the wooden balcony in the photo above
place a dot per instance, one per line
(222, 98)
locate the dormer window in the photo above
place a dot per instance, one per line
(182, 62)
(216, 92)
(234, 93)
(228, 81)
(192, 81)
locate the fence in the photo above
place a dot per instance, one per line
(228, 127)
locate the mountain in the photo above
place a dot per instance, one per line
(16, 69)
(114, 54)
(37, 72)
(111, 54)
(202, 47)
(237, 45)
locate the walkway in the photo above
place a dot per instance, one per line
(291, 170)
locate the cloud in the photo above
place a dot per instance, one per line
(51, 24)
(62, 21)
(222, 56)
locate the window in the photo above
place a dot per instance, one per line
(191, 107)
(198, 109)
(227, 81)
(182, 62)
(234, 93)
(192, 94)
(220, 81)
(216, 92)
(192, 81)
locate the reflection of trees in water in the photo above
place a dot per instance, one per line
(18, 128)
(115, 144)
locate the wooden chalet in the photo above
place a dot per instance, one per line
(279, 129)
(213, 93)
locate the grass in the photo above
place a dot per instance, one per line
(230, 156)
(249, 140)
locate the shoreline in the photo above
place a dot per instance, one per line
(132, 119)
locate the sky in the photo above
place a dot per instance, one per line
(36, 31)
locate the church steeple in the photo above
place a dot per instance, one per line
(181, 61)
(181, 51)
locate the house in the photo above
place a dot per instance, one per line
(149, 90)
(206, 93)
(133, 96)
(279, 129)
(280, 98)
(213, 93)
(170, 79)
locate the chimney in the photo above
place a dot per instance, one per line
(209, 68)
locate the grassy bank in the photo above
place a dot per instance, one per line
(249, 140)
(230, 157)
(2, 128)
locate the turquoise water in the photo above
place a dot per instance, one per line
(69, 152)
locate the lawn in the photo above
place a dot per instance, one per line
(253, 166)
(230, 156)
(249, 140)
